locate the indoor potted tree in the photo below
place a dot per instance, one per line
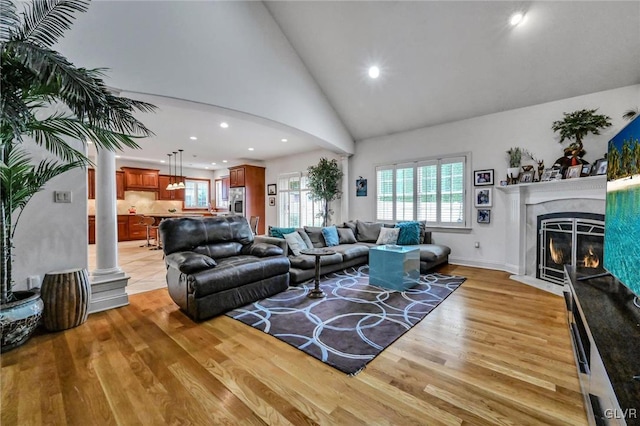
(36, 82)
(578, 124)
(324, 180)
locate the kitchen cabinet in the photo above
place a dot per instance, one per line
(225, 189)
(164, 194)
(252, 179)
(119, 185)
(91, 183)
(136, 179)
(136, 231)
(123, 228)
(237, 176)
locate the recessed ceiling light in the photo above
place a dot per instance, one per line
(206, 167)
(213, 164)
(516, 18)
(224, 125)
(162, 161)
(224, 161)
(374, 72)
(250, 149)
(284, 140)
(117, 156)
(193, 138)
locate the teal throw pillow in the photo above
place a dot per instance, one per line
(279, 232)
(409, 233)
(330, 234)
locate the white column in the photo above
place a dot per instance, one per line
(344, 201)
(107, 280)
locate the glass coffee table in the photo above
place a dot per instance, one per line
(394, 267)
(317, 292)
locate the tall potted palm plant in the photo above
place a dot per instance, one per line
(37, 83)
(324, 179)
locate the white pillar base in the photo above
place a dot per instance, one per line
(108, 291)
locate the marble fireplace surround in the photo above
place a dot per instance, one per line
(524, 202)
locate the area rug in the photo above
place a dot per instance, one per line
(354, 323)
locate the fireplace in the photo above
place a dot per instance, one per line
(568, 238)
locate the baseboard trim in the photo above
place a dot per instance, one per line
(477, 263)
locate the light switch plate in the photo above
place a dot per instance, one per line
(62, 196)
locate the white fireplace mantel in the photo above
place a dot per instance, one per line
(518, 197)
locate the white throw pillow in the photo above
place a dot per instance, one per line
(388, 235)
(295, 242)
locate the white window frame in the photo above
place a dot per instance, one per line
(439, 161)
(197, 182)
(284, 194)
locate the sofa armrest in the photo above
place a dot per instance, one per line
(280, 242)
(189, 262)
(262, 250)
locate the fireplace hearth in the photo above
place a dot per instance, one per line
(568, 238)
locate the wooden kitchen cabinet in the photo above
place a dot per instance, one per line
(237, 176)
(136, 179)
(91, 183)
(136, 231)
(92, 229)
(119, 185)
(163, 194)
(123, 228)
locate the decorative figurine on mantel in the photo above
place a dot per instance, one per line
(540, 170)
(576, 125)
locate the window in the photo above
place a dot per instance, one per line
(196, 193)
(295, 207)
(432, 190)
(222, 193)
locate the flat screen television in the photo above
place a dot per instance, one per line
(622, 218)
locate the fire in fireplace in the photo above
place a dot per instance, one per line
(568, 238)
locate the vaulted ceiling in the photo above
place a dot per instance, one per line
(298, 70)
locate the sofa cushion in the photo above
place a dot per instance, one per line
(315, 235)
(330, 234)
(236, 271)
(351, 251)
(189, 262)
(388, 236)
(305, 261)
(279, 232)
(432, 252)
(409, 233)
(295, 243)
(368, 231)
(219, 250)
(346, 236)
(305, 238)
(353, 225)
(262, 250)
(185, 233)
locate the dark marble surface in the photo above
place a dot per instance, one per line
(614, 322)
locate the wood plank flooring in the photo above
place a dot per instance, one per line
(494, 352)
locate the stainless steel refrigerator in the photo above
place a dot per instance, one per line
(237, 201)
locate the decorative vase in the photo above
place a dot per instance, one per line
(19, 319)
(66, 297)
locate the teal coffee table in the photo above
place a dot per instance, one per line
(394, 267)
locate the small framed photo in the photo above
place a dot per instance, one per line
(272, 201)
(601, 166)
(484, 216)
(483, 177)
(271, 189)
(586, 169)
(546, 175)
(526, 177)
(573, 172)
(483, 197)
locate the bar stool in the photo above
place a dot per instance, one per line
(253, 224)
(148, 222)
(155, 226)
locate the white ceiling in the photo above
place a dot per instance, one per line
(440, 62)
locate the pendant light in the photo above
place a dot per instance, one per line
(180, 184)
(174, 185)
(169, 187)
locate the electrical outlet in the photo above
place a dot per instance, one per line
(476, 244)
(33, 282)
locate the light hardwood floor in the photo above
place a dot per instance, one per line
(494, 352)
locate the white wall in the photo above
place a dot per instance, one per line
(291, 164)
(228, 54)
(487, 137)
(52, 236)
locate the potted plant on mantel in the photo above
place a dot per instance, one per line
(36, 82)
(324, 179)
(575, 126)
(515, 160)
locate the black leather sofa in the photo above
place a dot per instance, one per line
(215, 264)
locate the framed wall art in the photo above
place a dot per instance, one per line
(361, 187)
(483, 177)
(272, 201)
(483, 197)
(484, 216)
(271, 189)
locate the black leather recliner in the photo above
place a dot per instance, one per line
(215, 264)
